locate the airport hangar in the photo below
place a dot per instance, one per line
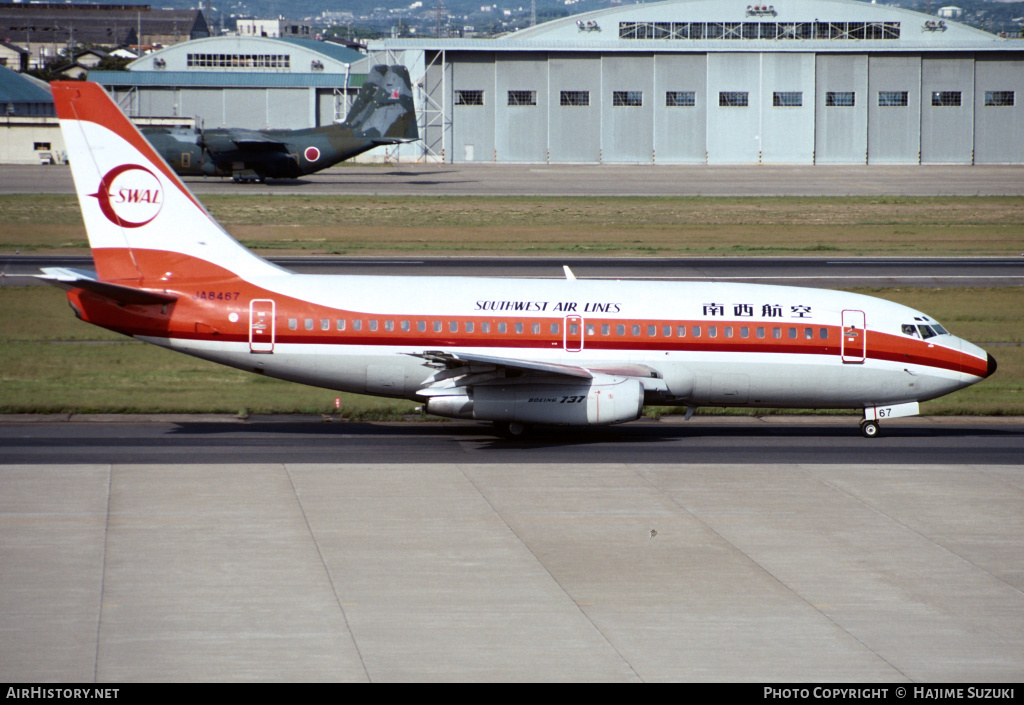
(251, 82)
(725, 82)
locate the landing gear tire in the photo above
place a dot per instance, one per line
(511, 429)
(869, 429)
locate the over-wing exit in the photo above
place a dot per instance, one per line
(513, 351)
(382, 114)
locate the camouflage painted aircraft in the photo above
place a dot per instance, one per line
(382, 114)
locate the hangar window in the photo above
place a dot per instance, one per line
(680, 99)
(892, 99)
(522, 97)
(997, 98)
(839, 99)
(469, 97)
(627, 99)
(238, 61)
(759, 30)
(946, 99)
(578, 98)
(787, 99)
(733, 99)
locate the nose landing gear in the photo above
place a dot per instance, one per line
(869, 429)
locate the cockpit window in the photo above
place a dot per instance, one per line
(919, 330)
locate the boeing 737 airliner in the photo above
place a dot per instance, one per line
(515, 352)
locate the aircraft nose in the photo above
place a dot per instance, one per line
(991, 366)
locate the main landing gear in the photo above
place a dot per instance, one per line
(510, 429)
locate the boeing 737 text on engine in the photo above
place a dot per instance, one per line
(515, 352)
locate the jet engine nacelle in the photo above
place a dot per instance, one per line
(598, 402)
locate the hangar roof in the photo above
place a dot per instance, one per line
(251, 54)
(22, 95)
(738, 25)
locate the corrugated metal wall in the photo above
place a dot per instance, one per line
(736, 108)
(998, 129)
(947, 129)
(680, 131)
(840, 130)
(894, 131)
(627, 129)
(734, 131)
(521, 130)
(473, 125)
(575, 131)
(787, 130)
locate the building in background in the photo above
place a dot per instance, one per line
(29, 132)
(249, 82)
(46, 30)
(725, 82)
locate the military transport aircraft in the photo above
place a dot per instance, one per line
(382, 114)
(517, 352)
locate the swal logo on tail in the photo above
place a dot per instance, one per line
(130, 195)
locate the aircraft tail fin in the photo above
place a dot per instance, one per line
(145, 228)
(384, 110)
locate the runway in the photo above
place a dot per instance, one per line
(736, 440)
(589, 180)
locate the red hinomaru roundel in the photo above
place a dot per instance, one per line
(312, 154)
(130, 196)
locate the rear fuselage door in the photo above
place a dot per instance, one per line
(854, 343)
(261, 326)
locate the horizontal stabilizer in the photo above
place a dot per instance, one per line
(68, 279)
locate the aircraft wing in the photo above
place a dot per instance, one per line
(68, 279)
(463, 369)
